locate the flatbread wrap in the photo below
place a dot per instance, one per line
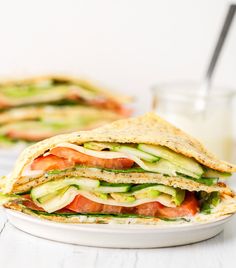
(41, 107)
(138, 171)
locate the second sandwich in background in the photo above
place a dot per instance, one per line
(41, 107)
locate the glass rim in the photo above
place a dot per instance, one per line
(190, 87)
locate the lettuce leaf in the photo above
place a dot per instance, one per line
(73, 214)
(208, 201)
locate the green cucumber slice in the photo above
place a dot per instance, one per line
(113, 189)
(175, 158)
(151, 191)
(211, 173)
(61, 200)
(133, 151)
(165, 167)
(99, 146)
(53, 186)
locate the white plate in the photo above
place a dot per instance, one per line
(117, 236)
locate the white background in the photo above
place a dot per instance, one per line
(127, 45)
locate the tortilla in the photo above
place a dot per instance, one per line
(24, 184)
(225, 208)
(148, 129)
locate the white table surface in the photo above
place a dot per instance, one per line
(21, 250)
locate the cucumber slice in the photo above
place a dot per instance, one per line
(87, 183)
(141, 186)
(175, 158)
(208, 181)
(211, 173)
(113, 189)
(161, 188)
(179, 197)
(106, 187)
(99, 146)
(64, 198)
(147, 193)
(53, 186)
(177, 194)
(170, 169)
(47, 197)
(140, 154)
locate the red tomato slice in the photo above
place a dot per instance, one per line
(51, 162)
(112, 209)
(148, 209)
(84, 205)
(187, 208)
(105, 104)
(83, 159)
(30, 204)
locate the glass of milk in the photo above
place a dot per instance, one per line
(179, 103)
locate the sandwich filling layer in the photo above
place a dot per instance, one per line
(122, 158)
(86, 195)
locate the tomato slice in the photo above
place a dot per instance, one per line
(112, 209)
(30, 204)
(189, 207)
(51, 162)
(83, 205)
(83, 159)
(106, 104)
(149, 209)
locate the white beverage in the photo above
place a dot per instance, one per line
(212, 125)
(214, 131)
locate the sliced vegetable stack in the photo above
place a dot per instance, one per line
(35, 109)
(140, 170)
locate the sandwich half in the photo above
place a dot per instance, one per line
(37, 108)
(134, 171)
(58, 90)
(35, 123)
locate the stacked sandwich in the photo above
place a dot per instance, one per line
(35, 109)
(139, 170)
